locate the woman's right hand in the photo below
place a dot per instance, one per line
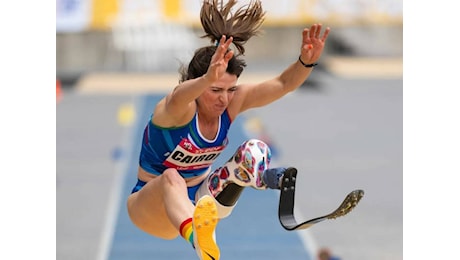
(219, 60)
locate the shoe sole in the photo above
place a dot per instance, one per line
(205, 220)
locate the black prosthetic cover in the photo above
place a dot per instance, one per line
(230, 194)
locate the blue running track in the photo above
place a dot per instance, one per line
(251, 232)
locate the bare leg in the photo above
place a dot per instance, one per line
(161, 205)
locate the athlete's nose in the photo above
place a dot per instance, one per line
(223, 97)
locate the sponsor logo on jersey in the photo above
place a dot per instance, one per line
(187, 156)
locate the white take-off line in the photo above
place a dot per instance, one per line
(111, 213)
(308, 241)
(115, 196)
(307, 238)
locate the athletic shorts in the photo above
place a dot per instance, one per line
(190, 190)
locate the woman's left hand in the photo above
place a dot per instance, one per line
(313, 43)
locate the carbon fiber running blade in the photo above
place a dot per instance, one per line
(287, 202)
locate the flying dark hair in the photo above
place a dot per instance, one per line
(217, 20)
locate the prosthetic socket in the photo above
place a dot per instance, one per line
(244, 169)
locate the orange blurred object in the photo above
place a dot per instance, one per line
(58, 90)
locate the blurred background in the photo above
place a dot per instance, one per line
(342, 129)
(129, 36)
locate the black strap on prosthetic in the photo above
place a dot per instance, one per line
(229, 195)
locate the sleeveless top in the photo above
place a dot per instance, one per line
(182, 148)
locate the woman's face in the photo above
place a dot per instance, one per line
(216, 98)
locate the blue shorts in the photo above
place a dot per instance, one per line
(191, 190)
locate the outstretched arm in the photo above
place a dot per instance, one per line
(290, 79)
(180, 103)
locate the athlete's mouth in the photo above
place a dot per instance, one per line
(220, 106)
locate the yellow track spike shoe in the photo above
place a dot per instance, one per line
(205, 220)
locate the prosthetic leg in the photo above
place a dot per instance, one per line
(244, 169)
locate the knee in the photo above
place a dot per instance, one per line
(173, 178)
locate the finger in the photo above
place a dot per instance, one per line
(313, 31)
(228, 42)
(221, 49)
(326, 33)
(228, 56)
(318, 31)
(221, 43)
(225, 44)
(305, 32)
(222, 40)
(305, 36)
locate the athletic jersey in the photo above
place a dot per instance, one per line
(182, 148)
